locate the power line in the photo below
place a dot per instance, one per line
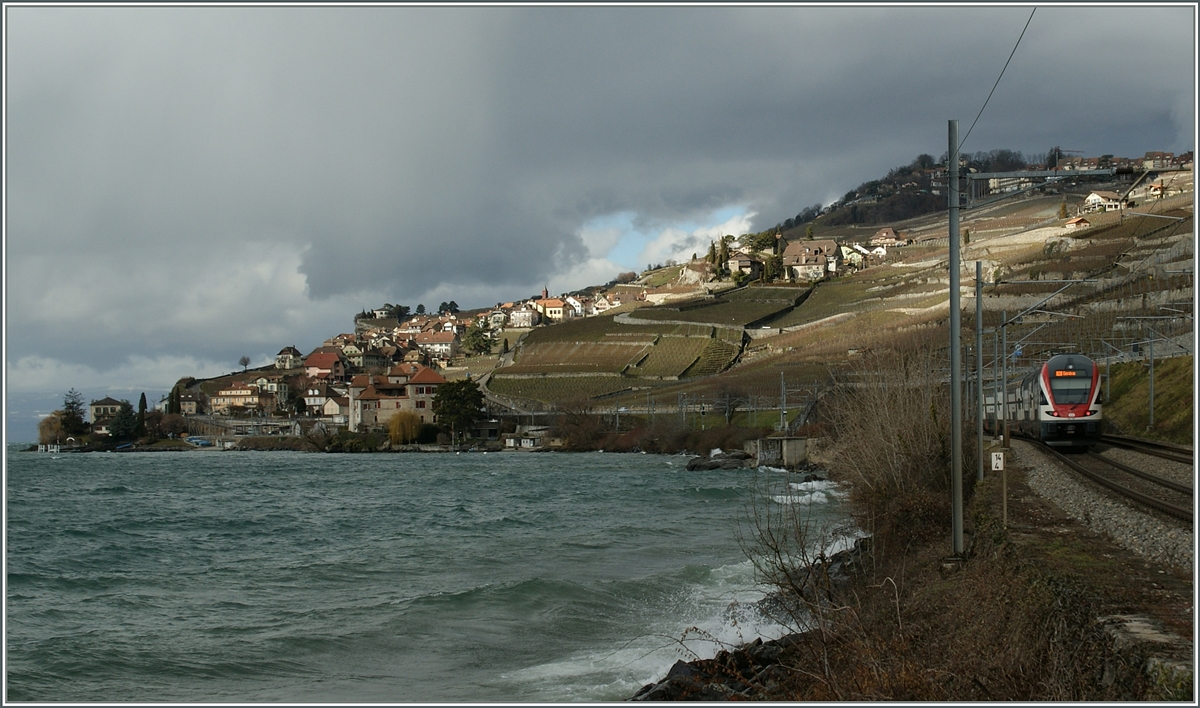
(989, 96)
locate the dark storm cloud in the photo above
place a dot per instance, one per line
(196, 181)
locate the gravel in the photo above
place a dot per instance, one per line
(1156, 538)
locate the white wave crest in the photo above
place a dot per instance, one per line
(813, 498)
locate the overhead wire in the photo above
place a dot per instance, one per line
(984, 106)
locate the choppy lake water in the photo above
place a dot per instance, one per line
(241, 576)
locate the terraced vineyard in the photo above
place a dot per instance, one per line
(670, 357)
(550, 357)
(717, 355)
(727, 313)
(555, 389)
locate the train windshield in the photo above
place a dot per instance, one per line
(1072, 389)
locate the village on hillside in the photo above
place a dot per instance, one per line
(394, 360)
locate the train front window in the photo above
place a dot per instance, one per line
(1071, 390)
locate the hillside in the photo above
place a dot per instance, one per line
(1128, 266)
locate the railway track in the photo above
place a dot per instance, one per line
(1145, 488)
(1166, 451)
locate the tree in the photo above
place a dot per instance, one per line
(1062, 210)
(244, 361)
(966, 237)
(459, 404)
(773, 268)
(712, 253)
(452, 307)
(140, 429)
(399, 312)
(626, 277)
(50, 428)
(504, 346)
(124, 423)
(404, 427)
(174, 406)
(477, 338)
(173, 425)
(420, 308)
(443, 308)
(72, 413)
(808, 232)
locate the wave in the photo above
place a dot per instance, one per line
(700, 611)
(804, 499)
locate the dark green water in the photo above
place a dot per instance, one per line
(229, 576)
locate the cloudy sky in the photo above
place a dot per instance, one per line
(187, 185)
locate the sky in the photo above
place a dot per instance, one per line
(188, 185)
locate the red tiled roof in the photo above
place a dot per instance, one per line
(323, 360)
(427, 376)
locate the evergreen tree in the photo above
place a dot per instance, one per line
(73, 413)
(458, 404)
(1062, 210)
(139, 429)
(420, 308)
(124, 424)
(808, 232)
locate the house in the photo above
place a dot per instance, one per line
(745, 264)
(1157, 160)
(809, 261)
(275, 385)
(1102, 201)
(1077, 223)
(554, 309)
(373, 400)
(578, 306)
(189, 404)
(852, 256)
(322, 363)
(289, 358)
(497, 317)
(524, 318)
(104, 408)
(886, 236)
(241, 395)
(438, 344)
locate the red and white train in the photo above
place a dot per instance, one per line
(1057, 403)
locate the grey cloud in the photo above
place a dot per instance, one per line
(406, 150)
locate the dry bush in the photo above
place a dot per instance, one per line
(890, 422)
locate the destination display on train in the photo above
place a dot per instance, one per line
(1063, 372)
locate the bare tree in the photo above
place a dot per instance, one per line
(244, 361)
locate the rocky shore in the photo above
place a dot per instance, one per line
(758, 670)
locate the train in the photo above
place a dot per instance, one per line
(1058, 403)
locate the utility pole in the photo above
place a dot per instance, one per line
(979, 368)
(1151, 385)
(955, 349)
(1004, 377)
(782, 404)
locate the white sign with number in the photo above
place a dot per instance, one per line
(997, 461)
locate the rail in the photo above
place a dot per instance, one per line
(1167, 451)
(1144, 499)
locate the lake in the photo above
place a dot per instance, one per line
(298, 577)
